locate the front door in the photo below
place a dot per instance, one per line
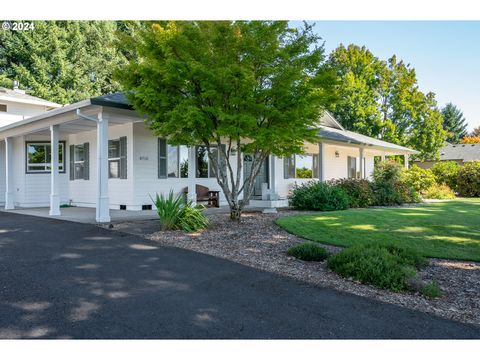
(261, 178)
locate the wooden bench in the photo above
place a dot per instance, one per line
(204, 194)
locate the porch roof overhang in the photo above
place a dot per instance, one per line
(113, 106)
(351, 138)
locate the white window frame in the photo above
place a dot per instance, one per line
(75, 161)
(45, 170)
(114, 159)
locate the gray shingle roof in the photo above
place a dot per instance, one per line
(118, 100)
(351, 137)
(21, 97)
(465, 152)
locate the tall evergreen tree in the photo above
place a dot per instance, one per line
(454, 123)
(62, 61)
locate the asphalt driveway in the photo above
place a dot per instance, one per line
(67, 280)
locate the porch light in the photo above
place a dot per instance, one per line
(337, 154)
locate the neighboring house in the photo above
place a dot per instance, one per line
(460, 153)
(16, 105)
(109, 159)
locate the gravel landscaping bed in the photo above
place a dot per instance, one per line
(258, 242)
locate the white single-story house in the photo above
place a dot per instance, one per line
(108, 159)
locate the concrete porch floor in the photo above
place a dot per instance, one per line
(87, 215)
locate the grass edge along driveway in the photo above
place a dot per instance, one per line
(449, 230)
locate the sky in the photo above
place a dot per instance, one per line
(445, 54)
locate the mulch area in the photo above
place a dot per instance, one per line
(258, 242)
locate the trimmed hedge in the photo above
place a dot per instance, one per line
(389, 187)
(319, 196)
(359, 191)
(385, 266)
(308, 251)
(468, 180)
(439, 192)
(446, 172)
(418, 178)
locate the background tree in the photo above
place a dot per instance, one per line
(454, 123)
(256, 87)
(470, 140)
(62, 61)
(475, 132)
(381, 99)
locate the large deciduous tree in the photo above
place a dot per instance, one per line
(62, 61)
(454, 123)
(382, 99)
(256, 87)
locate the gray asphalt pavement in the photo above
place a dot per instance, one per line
(68, 280)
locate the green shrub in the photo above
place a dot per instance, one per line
(304, 173)
(359, 191)
(308, 251)
(320, 196)
(418, 178)
(389, 186)
(446, 172)
(192, 218)
(385, 266)
(468, 180)
(440, 192)
(431, 290)
(175, 213)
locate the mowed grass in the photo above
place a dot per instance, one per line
(449, 230)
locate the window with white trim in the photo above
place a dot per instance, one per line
(39, 157)
(353, 169)
(79, 161)
(117, 158)
(301, 166)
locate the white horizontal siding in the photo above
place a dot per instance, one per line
(120, 191)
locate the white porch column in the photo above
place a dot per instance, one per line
(103, 206)
(9, 174)
(383, 157)
(192, 169)
(321, 161)
(362, 164)
(273, 178)
(406, 157)
(54, 193)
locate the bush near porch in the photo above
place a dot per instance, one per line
(387, 188)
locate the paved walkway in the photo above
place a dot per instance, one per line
(87, 215)
(68, 280)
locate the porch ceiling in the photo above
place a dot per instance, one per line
(68, 120)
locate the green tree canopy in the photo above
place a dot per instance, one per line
(454, 123)
(62, 61)
(382, 99)
(223, 82)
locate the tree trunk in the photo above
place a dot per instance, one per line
(235, 213)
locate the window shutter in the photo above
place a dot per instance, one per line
(162, 158)
(315, 169)
(72, 162)
(86, 161)
(123, 157)
(289, 167)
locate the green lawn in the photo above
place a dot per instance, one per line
(449, 230)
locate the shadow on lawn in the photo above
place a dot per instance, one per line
(449, 229)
